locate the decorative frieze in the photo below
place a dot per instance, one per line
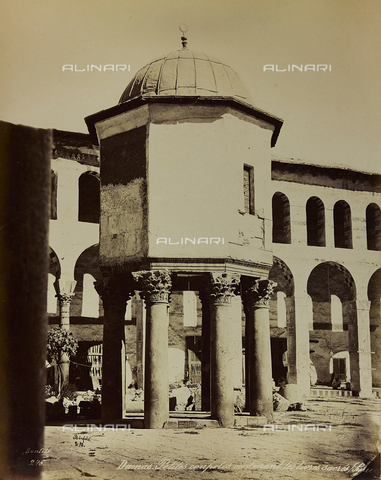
(77, 155)
(223, 287)
(155, 284)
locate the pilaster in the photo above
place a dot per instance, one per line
(298, 313)
(360, 347)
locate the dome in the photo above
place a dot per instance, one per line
(186, 73)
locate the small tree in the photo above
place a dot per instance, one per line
(60, 342)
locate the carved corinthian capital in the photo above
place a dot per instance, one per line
(257, 293)
(115, 290)
(223, 287)
(65, 297)
(65, 290)
(155, 284)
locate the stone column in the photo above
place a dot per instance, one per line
(156, 288)
(115, 292)
(222, 351)
(237, 341)
(25, 155)
(205, 350)
(359, 347)
(249, 342)
(65, 294)
(298, 312)
(140, 341)
(256, 297)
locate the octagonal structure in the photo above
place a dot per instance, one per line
(180, 157)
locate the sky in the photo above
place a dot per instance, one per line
(330, 118)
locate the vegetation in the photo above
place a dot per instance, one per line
(60, 342)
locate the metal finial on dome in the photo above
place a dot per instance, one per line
(183, 29)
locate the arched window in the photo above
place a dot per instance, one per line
(342, 225)
(53, 196)
(373, 227)
(315, 222)
(281, 218)
(89, 197)
(336, 314)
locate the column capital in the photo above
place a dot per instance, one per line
(115, 289)
(223, 287)
(363, 305)
(65, 297)
(257, 293)
(65, 294)
(156, 285)
(65, 290)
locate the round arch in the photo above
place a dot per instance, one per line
(54, 264)
(53, 275)
(282, 275)
(331, 288)
(331, 278)
(86, 271)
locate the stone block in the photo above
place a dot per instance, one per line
(280, 403)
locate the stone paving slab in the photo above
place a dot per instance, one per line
(333, 439)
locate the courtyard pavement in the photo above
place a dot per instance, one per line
(332, 439)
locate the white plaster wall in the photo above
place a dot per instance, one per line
(90, 297)
(67, 236)
(176, 363)
(195, 184)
